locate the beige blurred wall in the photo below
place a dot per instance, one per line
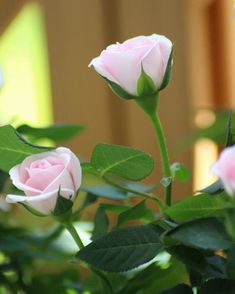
(78, 31)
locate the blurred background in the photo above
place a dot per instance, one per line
(45, 49)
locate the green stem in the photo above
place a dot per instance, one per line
(73, 232)
(164, 154)
(143, 194)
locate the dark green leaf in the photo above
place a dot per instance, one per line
(215, 188)
(200, 206)
(101, 224)
(123, 161)
(197, 261)
(145, 85)
(179, 289)
(123, 249)
(218, 286)
(57, 132)
(105, 191)
(180, 172)
(206, 234)
(14, 149)
(138, 212)
(191, 257)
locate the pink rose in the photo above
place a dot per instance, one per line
(224, 168)
(42, 175)
(122, 63)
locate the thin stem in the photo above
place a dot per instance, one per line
(164, 154)
(73, 232)
(143, 194)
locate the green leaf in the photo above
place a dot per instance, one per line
(208, 234)
(168, 72)
(122, 161)
(215, 188)
(14, 149)
(108, 192)
(179, 289)
(192, 257)
(56, 132)
(123, 249)
(180, 172)
(199, 206)
(115, 207)
(195, 260)
(218, 286)
(119, 91)
(101, 224)
(145, 85)
(138, 212)
(230, 135)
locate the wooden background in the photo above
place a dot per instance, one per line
(77, 30)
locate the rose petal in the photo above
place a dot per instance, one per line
(15, 175)
(44, 203)
(157, 71)
(74, 167)
(125, 67)
(40, 179)
(100, 68)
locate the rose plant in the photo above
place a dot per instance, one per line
(182, 247)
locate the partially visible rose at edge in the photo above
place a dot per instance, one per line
(42, 176)
(121, 63)
(224, 168)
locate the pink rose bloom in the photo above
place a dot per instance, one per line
(122, 63)
(42, 175)
(224, 168)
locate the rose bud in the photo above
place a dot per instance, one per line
(138, 67)
(44, 177)
(224, 168)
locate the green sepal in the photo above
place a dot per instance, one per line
(148, 104)
(168, 72)
(119, 91)
(145, 85)
(32, 210)
(63, 208)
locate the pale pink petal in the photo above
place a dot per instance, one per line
(64, 180)
(41, 178)
(125, 67)
(100, 68)
(153, 65)
(16, 180)
(74, 167)
(44, 203)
